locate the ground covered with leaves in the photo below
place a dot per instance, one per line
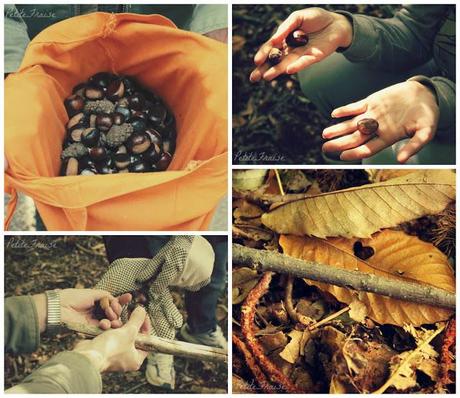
(305, 335)
(273, 122)
(34, 264)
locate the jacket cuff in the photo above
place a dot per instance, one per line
(22, 333)
(364, 42)
(444, 91)
(208, 17)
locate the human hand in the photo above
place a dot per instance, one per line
(404, 110)
(77, 305)
(327, 31)
(218, 34)
(114, 350)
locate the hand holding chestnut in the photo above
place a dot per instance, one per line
(116, 126)
(308, 36)
(406, 110)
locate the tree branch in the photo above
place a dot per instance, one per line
(158, 344)
(263, 260)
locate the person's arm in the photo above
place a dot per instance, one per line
(79, 371)
(398, 43)
(210, 20)
(16, 38)
(22, 332)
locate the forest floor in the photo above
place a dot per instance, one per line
(34, 264)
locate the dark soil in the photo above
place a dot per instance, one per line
(34, 264)
(273, 122)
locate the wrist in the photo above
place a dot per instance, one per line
(87, 349)
(40, 305)
(345, 28)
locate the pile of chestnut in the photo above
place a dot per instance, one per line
(116, 126)
(297, 38)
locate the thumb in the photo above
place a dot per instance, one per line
(136, 320)
(293, 22)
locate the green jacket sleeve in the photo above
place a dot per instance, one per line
(208, 17)
(16, 38)
(65, 373)
(397, 43)
(22, 334)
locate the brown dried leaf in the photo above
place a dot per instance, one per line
(243, 280)
(361, 211)
(292, 350)
(396, 255)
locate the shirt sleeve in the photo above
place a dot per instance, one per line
(16, 38)
(22, 334)
(444, 90)
(65, 373)
(208, 17)
(398, 43)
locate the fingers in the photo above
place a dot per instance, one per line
(355, 108)
(415, 144)
(347, 142)
(136, 320)
(293, 22)
(262, 54)
(125, 298)
(370, 148)
(104, 324)
(346, 127)
(301, 63)
(258, 73)
(146, 327)
(279, 69)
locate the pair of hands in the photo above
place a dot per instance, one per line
(113, 350)
(404, 110)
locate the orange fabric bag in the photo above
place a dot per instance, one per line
(187, 70)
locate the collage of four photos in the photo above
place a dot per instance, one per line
(285, 217)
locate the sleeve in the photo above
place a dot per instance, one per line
(398, 43)
(444, 90)
(16, 38)
(65, 373)
(208, 17)
(22, 334)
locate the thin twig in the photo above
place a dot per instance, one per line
(328, 318)
(264, 260)
(288, 299)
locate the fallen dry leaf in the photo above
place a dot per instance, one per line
(243, 280)
(361, 211)
(403, 366)
(292, 350)
(396, 255)
(358, 311)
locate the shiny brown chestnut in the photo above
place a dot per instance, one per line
(138, 124)
(104, 121)
(79, 89)
(115, 90)
(274, 56)
(136, 101)
(78, 119)
(140, 167)
(94, 93)
(157, 114)
(297, 38)
(76, 133)
(118, 119)
(90, 137)
(71, 167)
(102, 79)
(153, 154)
(169, 146)
(155, 136)
(74, 104)
(98, 153)
(138, 143)
(122, 160)
(123, 111)
(367, 126)
(164, 161)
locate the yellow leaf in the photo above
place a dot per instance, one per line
(396, 255)
(361, 211)
(292, 350)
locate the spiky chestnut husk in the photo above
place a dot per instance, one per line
(117, 135)
(99, 106)
(76, 150)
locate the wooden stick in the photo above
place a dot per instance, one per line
(264, 260)
(165, 346)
